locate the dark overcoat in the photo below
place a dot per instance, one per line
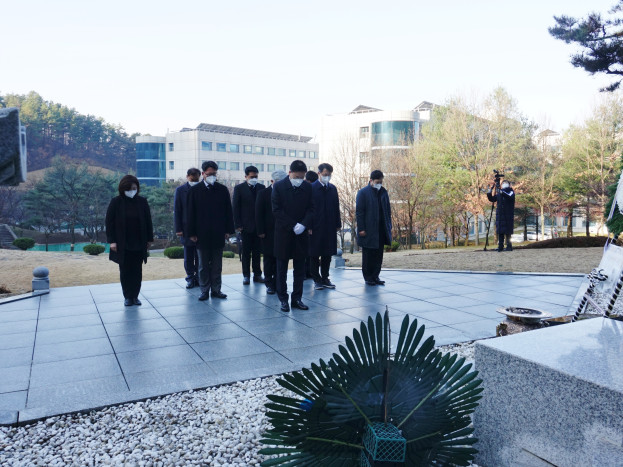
(291, 206)
(115, 226)
(327, 221)
(209, 216)
(504, 211)
(265, 221)
(180, 203)
(244, 206)
(368, 218)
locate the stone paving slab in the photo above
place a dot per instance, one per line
(79, 348)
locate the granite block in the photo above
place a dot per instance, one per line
(553, 395)
(8, 417)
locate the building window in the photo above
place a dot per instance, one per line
(302, 154)
(260, 167)
(247, 164)
(292, 152)
(247, 149)
(234, 148)
(364, 131)
(171, 164)
(271, 151)
(222, 165)
(312, 154)
(271, 167)
(282, 167)
(234, 166)
(364, 156)
(221, 147)
(206, 146)
(171, 146)
(281, 152)
(259, 150)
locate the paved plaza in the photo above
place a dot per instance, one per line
(79, 348)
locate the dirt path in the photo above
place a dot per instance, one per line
(71, 269)
(580, 260)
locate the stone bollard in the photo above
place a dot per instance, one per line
(41, 279)
(337, 261)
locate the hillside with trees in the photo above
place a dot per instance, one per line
(54, 130)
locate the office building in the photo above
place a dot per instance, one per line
(234, 149)
(150, 160)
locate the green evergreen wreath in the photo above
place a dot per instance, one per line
(427, 395)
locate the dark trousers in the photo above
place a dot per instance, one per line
(191, 262)
(251, 252)
(270, 271)
(210, 269)
(323, 263)
(299, 278)
(308, 272)
(131, 273)
(371, 261)
(501, 241)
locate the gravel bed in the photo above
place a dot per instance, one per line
(216, 426)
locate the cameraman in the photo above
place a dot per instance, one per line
(505, 211)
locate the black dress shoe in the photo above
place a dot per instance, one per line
(327, 284)
(378, 281)
(300, 305)
(191, 284)
(285, 307)
(219, 295)
(270, 291)
(258, 279)
(370, 282)
(204, 296)
(128, 302)
(137, 302)
(246, 281)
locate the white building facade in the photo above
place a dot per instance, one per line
(370, 130)
(234, 149)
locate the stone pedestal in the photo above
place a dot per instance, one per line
(40, 279)
(553, 396)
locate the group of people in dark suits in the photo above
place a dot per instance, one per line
(292, 219)
(289, 220)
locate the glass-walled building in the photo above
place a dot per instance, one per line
(150, 160)
(376, 134)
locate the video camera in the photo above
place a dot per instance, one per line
(497, 176)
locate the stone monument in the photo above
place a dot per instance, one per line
(12, 148)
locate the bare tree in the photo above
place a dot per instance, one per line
(351, 172)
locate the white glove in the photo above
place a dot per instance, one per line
(299, 229)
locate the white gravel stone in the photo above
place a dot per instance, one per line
(214, 426)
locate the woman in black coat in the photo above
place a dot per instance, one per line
(129, 231)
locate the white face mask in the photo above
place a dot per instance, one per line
(252, 181)
(296, 182)
(326, 179)
(377, 186)
(192, 183)
(131, 193)
(211, 179)
(505, 185)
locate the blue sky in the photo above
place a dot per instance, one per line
(281, 65)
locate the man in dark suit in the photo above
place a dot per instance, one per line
(245, 195)
(293, 211)
(265, 225)
(374, 226)
(326, 224)
(180, 202)
(210, 222)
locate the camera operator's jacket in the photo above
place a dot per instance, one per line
(505, 210)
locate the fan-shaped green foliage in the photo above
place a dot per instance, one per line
(426, 394)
